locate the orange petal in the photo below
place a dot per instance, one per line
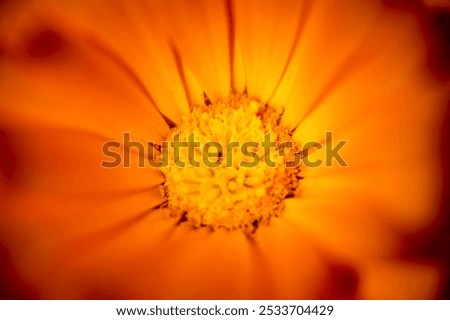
(61, 207)
(346, 229)
(331, 36)
(199, 33)
(198, 264)
(266, 32)
(392, 140)
(285, 263)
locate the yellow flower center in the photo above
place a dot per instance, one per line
(230, 165)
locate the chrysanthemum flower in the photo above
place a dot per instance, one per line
(76, 74)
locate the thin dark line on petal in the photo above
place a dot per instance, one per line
(142, 156)
(90, 243)
(311, 150)
(206, 99)
(183, 218)
(91, 134)
(355, 62)
(344, 277)
(231, 38)
(144, 138)
(112, 195)
(157, 147)
(260, 263)
(98, 135)
(132, 149)
(303, 18)
(162, 205)
(116, 58)
(180, 69)
(168, 121)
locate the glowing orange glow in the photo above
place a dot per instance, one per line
(75, 74)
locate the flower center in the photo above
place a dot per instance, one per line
(230, 165)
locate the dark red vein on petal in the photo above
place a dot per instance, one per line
(303, 17)
(206, 99)
(118, 60)
(180, 69)
(356, 60)
(93, 242)
(231, 38)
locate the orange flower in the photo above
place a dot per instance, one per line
(78, 74)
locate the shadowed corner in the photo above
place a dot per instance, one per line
(440, 66)
(433, 243)
(445, 207)
(8, 158)
(435, 25)
(341, 283)
(12, 286)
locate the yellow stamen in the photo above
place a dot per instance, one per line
(220, 186)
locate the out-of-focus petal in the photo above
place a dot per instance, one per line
(383, 103)
(133, 33)
(347, 229)
(61, 101)
(51, 78)
(388, 109)
(199, 264)
(393, 159)
(399, 280)
(330, 34)
(77, 74)
(69, 208)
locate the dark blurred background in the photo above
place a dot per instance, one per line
(438, 15)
